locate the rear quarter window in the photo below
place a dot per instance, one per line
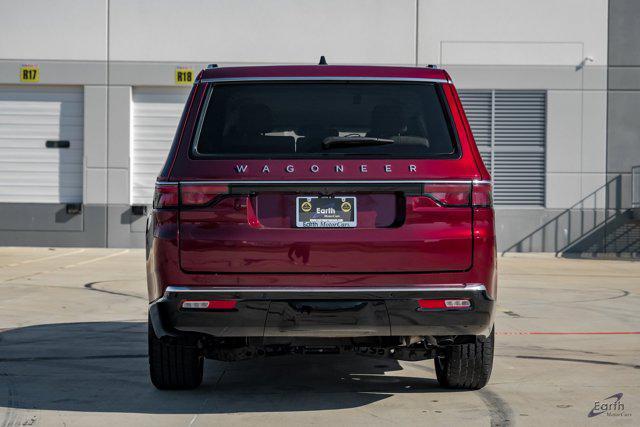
(325, 120)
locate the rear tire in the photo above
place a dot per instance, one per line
(466, 366)
(174, 363)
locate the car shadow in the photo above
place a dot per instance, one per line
(102, 367)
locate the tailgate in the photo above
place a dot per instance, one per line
(256, 228)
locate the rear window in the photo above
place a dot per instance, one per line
(324, 119)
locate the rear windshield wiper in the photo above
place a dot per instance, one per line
(353, 141)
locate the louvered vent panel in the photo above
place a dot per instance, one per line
(520, 130)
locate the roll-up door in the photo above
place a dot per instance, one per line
(514, 123)
(156, 113)
(41, 144)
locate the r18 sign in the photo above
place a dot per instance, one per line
(184, 76)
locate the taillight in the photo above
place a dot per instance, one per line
(482, 197)
(450, 195)
(444, 304)
(201, 194)
(477, 195)
(165, 196)
(210, 305)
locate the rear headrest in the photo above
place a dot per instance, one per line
(386, 121)
(254, 119)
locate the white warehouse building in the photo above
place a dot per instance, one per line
(91, 93)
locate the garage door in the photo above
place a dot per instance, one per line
(41, 144)
(156, 113)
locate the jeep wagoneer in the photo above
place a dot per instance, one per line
(322, 209)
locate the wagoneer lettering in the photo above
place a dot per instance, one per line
(312, 207)
(363, 168)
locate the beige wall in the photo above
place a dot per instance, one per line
(491, 44)
(276, 31)
(518, 32)
(54, 30)
(469, 32)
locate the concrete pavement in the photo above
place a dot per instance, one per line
(73, 352)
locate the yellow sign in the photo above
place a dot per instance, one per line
(29, 73)
(346, 207)
(184, 76)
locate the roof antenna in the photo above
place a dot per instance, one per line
(323, 61)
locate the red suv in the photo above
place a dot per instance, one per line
(322, 209)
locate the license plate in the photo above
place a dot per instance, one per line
(325, 212)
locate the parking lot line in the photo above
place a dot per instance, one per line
(29, 261)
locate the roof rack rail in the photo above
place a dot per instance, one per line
(212, 66)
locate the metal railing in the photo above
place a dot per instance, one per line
(635, 187)
(586, 216)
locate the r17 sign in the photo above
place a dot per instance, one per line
(29, 73)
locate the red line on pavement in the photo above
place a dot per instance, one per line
(587, 333)
(571, 333)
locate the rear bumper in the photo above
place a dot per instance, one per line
(323, 312)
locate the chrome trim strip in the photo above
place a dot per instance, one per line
(316, 78)
(390, 181)
(473, 287)
(325, 182)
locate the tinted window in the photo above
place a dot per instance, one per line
(324, 119)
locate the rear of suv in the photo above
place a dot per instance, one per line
(322, 209)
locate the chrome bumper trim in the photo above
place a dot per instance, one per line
(471, 287)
